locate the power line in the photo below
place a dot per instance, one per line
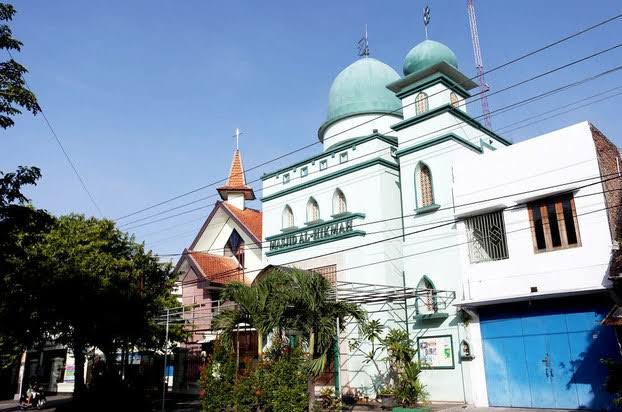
(515, 60)
(453, 127)
(610, 176)
(435, 226)
(62, 148)
(418, 253)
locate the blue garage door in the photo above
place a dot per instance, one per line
(541, 356)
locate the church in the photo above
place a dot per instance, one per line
(495, 257)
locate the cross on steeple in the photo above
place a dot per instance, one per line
(237, 138)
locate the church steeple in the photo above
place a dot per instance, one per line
(236, 191)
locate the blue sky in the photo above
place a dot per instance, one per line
(145, 95)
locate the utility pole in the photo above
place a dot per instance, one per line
(479, 64)
(165, 382)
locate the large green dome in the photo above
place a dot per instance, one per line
(361, 88)
(426, 54)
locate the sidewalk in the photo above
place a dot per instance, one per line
(53, 402)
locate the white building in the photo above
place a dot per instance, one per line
(508, 246)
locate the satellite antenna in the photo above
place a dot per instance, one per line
(363, 45)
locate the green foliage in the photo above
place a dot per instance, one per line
(329, 402)
(408, 390)
(13, 91)
(288, 300)
(613, 383)
(21, 227)
(274, 385)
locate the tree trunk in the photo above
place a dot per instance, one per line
(79, 357)
(259, 345)
(310, 384)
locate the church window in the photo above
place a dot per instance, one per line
(455, 99)
(421, 103)
(286, 178)
(339, 202)
(343, 157)
(486, 237)
(304, 171)
(323, 164)
(235, 247)
(426, 296)
(425, 192)
(287, 218)
(313, 210)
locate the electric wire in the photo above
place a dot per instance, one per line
(62, 148)
(513, 61)
(452, 127)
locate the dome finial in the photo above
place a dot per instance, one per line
(426, 19)
(364, 44)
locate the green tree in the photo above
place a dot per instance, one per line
(13, 91)
(108, 290)
(21, 227)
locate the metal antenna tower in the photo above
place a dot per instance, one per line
(479, 64)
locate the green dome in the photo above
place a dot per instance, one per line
(361, 88)
(426, 54)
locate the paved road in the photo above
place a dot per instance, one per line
(53, 402)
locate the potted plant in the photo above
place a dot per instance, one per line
(385, 395)
(409, 392)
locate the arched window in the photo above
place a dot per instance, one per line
(313, 210)
(425, 192)
(339, 203)
(426, 296)
(421, 103)
(455, 99)
(235, 247)
(287, 218)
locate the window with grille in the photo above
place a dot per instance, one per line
(287, 218)
(323, 164)
(329, 272)
(455, 99)
(486, 237)
(304, 171)
(313, 210)
(554, 224)
(425, 186)
(339, 203)
(343, 157)
(421, 103)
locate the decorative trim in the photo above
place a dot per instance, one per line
(487, 145)
(431, 81)
(327, 124)
(363, 165)
(314, 222)
(439, 140)
(456, 112)
(337, 147)
(289, 229)
(427, 209)
(315, 234)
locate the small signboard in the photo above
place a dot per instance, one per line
(70, 374)
(436, 352)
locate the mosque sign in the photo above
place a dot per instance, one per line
(340, 227)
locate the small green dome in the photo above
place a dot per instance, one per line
(426, 54)
(361, 88)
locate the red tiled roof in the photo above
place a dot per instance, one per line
(248, 217)
(218, 269)
(237, 180)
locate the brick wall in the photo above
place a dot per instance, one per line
(608, 157)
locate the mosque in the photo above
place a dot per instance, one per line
(495, 257)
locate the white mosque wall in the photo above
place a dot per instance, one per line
(357, 126)
(438, 95)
